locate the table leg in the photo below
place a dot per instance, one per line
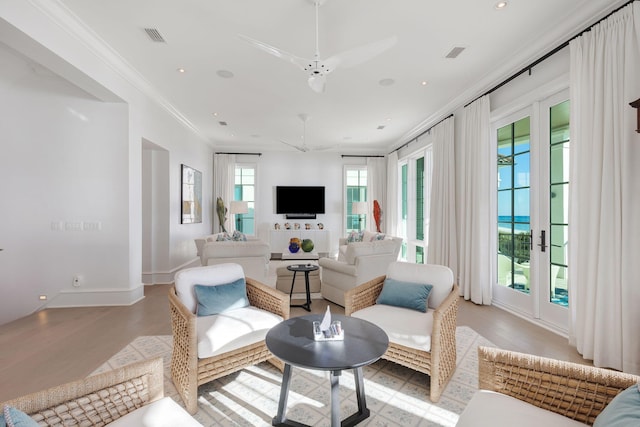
(307, 289)
(335, 398)
(363, 411)
(284, 396)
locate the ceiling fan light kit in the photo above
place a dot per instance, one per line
(317, 69)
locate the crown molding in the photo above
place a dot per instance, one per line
(59, 14)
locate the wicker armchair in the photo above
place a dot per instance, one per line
(578, 392)
(97, 400)
(440, 361)
(188, 370)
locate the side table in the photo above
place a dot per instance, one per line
(306, 269)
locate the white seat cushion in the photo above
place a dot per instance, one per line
(403, 326)
(233, 329)
(161, 413)
(488, 408)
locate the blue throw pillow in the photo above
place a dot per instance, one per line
(223, 237)
(220, 298)
(355, 236)
(15, 418)
(405, 294)
(622, 411)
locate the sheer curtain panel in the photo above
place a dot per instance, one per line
(390, 212)
(604, 208)
(476, 264)
(223, 182)
(442, 247)
(376, 182)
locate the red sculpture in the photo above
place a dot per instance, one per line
(377, 213)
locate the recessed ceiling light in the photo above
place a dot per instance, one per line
(215, 114)
(500, 5)
(181, 70)
(386, 82)
(423, 83)
(225, 74)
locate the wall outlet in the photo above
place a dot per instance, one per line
(77, 281)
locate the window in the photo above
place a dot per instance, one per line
(245, 190)
(415, 181)
(355, 191)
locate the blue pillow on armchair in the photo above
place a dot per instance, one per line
(405, 294)
(220, 298)
(622, 411)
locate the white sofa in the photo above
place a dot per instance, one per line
(253, 254)
(524, 390)
(127, 396)
(357, 263)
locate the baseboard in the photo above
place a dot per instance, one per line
(167, 277)
(96, 297)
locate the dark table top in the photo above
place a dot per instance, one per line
(302, 267)
(292, 341)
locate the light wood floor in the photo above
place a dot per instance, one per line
(55, 346)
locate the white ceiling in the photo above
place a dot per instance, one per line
(261, 103)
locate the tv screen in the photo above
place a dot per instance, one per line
(299, 200)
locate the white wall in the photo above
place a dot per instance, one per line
(296, 168)
(69, 157)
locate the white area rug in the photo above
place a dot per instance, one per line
(395, 395)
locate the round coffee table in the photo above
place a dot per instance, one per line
(292, 342)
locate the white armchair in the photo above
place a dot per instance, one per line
(422, 341)
(357, 263)
(211, 346)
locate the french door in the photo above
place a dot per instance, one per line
(532, 170)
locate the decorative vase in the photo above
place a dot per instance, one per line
(307, 245)
(294, 248)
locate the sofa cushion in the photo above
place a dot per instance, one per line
(623, 410)
(218, 274)
(215, 299)
(223, 237)
(161, 413)
(13, 417)
(237, 236)
(489, 408)
(405, 294)
(399, 324)
(355, 250)
(233, 329)
(439, 276)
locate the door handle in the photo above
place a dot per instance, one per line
(543, 241)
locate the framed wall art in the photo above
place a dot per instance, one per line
(191, 207)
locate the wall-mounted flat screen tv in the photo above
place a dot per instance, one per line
(299, 200)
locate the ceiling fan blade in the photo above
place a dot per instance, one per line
(289, 57)
(297, 147)
(358, 55)
(317, 82)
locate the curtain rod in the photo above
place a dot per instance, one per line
(422, 133)
(245, 154)
(363, 155)
(547, 55)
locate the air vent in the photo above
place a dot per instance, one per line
(155, 35)
(380, 127)
(222, 123)
(453, 53)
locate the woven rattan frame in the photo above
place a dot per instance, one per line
(579, 392)
(96, 400)
(188, 372)
(440, 362)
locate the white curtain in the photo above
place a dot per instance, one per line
(475, 264)
(390, 208)
(604, 208)
(223, 182)
(442, 247)
(376, 183)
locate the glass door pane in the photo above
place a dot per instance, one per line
(514, 218)
(559, 203)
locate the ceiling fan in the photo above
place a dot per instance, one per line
(304, 148)
(318, 68)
